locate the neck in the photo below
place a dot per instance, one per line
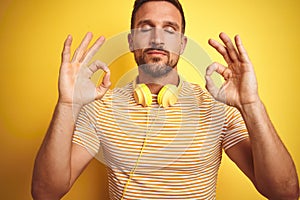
(156, 83)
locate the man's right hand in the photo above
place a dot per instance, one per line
(75, 85)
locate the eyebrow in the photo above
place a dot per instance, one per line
(147, 21)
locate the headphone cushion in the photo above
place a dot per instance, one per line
(168, 95)
(142, 95)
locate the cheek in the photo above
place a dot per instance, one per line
(138, 54)
(140, 43)
(174, 57)
(173, 46)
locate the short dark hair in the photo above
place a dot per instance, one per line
(139, 3)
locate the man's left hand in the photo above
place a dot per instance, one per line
(240, 86)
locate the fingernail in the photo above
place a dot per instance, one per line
(102, 38)
(106, 69)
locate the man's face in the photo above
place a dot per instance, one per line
(156, 40)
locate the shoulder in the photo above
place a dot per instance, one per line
(203, 96)
(206, 99)
(125, 91)
(116, 94)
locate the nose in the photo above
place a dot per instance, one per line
(157, 38)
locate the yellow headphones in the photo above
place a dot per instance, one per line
(167, 96)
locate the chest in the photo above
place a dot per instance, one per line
(181, 137)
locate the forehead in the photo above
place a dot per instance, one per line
(158, 12)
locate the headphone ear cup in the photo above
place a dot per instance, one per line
(168, 95)
(142, 95)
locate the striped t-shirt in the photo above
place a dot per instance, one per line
(160, 153)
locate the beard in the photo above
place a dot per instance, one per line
(155, 66)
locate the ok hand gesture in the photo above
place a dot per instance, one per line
(240, 86)
(75, 85)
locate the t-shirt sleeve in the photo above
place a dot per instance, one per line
(235, 128)
(85, 133)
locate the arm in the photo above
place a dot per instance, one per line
(59, 162)
(272, 169)
(263, 158)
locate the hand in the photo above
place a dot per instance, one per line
(75, 85)
(240, 86)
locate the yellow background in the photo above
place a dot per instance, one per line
(31, 37)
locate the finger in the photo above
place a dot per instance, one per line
(243, 53)
(96, 65)
(210, 85)
(80, 51)
(104, 86)
(93, 50)
(221, 49)
(220, 69)
(66, 53)
(230, 47)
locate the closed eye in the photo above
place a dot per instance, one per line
(170, 29)
(146, 28)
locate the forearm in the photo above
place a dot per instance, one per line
(52, 170)
(274, 170)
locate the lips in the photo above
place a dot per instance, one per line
(156, 52)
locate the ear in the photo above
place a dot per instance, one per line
(130, 42)
(183, 44)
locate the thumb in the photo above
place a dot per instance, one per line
(104, 86)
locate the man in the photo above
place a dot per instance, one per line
(170, 146)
